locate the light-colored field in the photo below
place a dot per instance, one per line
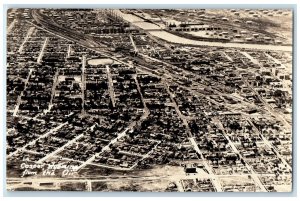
(103, 61)
(159, 185)
(283, 188)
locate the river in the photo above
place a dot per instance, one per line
(172, 38)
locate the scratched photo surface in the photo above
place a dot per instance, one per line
(149, 100)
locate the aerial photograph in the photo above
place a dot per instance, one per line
(149, 100)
